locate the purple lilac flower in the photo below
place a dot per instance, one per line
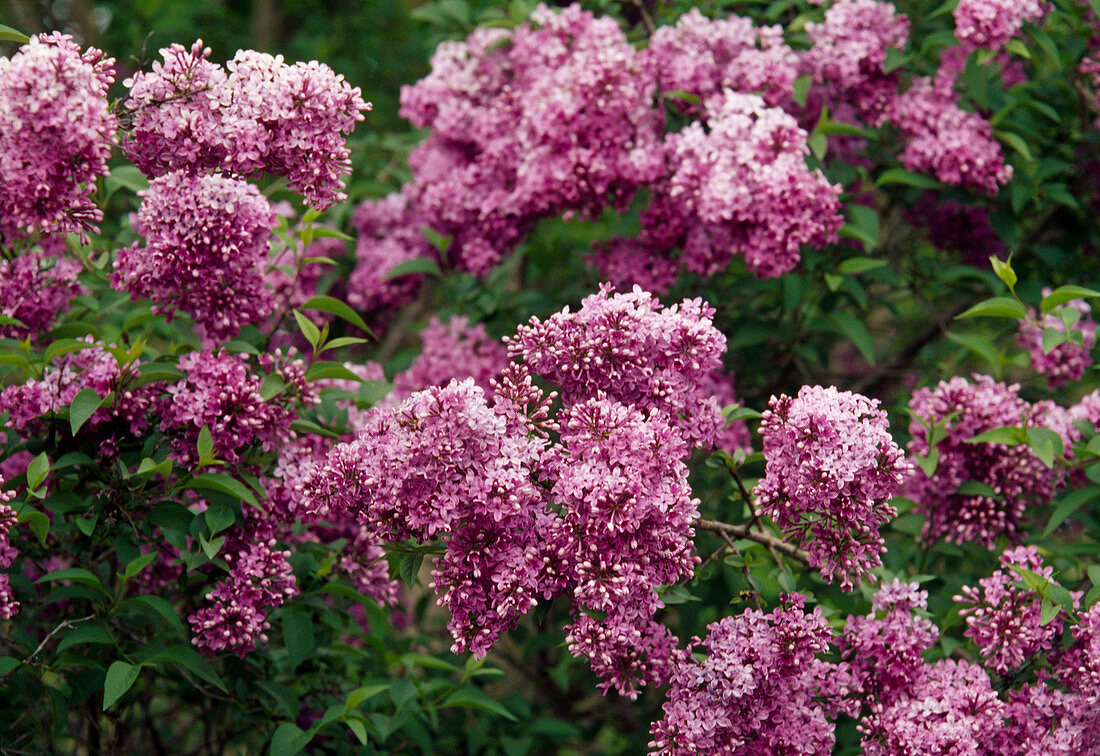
(756, 691)
(832, 468)
(1067, 361)
(206, 238)
(389, 234)
(56, 133)
(263, 116)
(1005, 621)
(991, 23)
(1079, 666)
(1045, 721)
(455, 349)
(633, 349)
(9, 607)
(1018, 478)
(36, 287)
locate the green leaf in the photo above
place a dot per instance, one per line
(309, 330)
(833, 281)
(415, 265)
(38, 522)
(297, 636)
(7, 664)
(857, 333)
(1053, 338)
(37, 471)
(204, 445)
(8, 34)
(856, 265)
(75, 574)
(1048, 611)
(158, 606)
(221, 482)
(801, 89)
(358, 729)
(975, 488)
(359, 695)
(85, 634)
(818, 143)
(289, 739)
(1018, 48)
(677, 594)
(741, 413)
(218, 518)
(980, 345)
(1010, 435)
(1067, 505)
(272, 386)
(1064, 294)
(120, 677)
(471, 697)
(134, 566)
(1094, 573)
(323, 370)
(997, 307)
(928, 464)
(335, 307)
(908, 178)
(126, 177)
(189, 660)
(1046, 444)
(83, 407)
(324, 232)
(149, 466)
(1016, 142)
(344, 341)
(439, 241)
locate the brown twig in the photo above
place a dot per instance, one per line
(745, 531)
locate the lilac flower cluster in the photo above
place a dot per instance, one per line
(56, 132)
(259, 577)
(92, 367)
(883, 650)
(703, 57)
(738, 185)
(757, 691)
(1018, 478)
(1067, 361)
(958, 227)
(220, 393)
(444, 464)
(848, 55)
(262, 116)
(35, 287)
(1005, 621)
(954, 145)
(9, 607)
(389, 234)
(991, 23)
(951, 709)
(625, 528)
(832, 468)
(552, 117)
(206, 237)
(634, 350)
(1045, 721)
(1079, 666)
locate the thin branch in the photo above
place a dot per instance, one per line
(64, 624)
(744, 531)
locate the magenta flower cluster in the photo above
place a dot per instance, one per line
(1069, 360)
(259, 577)
(760, 688)
(991, 23)
(1005, 621)
(35, 287)
(56, 133)
(9, 607)
(205, 240)
(262, 116)
(832, 468)
(454, 349)
(1017, 477)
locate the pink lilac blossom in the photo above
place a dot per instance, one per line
(954, 145)
(1018, 478)
(735, 435)
(9, 607)
(1005, 621)
(1045, 721)
(991, 23)
(1067, 361)
(958, 227)
(703, 56)
(35, 288)
(221, 393)
(757, 691)
(952, 709)
(832, 468)
(625, 529)
(259, 577)
(56, 133)
(636, 351)
(554, 117)
(263, 116)
(91, 367)
(206, 238)
(445, 465)
(1079, 666)
(848, 55)
(389, 233)
(738, 185)
(454, 349)
(883, 649)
